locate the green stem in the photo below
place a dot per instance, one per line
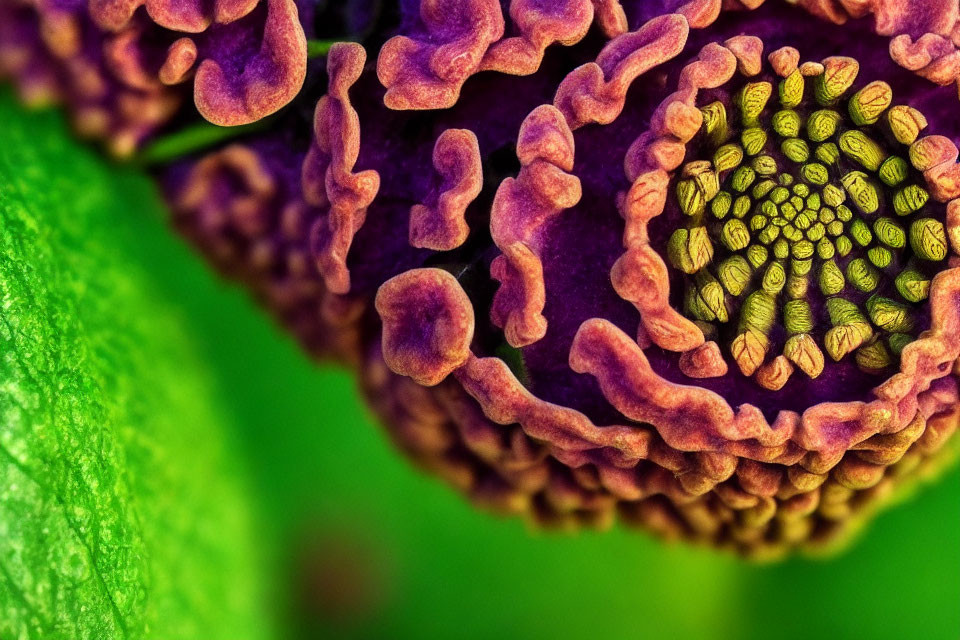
(318, 48)
(193, 138)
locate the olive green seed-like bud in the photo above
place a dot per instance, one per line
(816, 232)
(689, 250)
(815, 173)
(801, 190)
(802, 350)
(826, 215)
(928, 238)
(910, 199)
(867, 105)
(802, 221)
(695, 305)
(842, 311)
(813, 201)
(861, 191)
(893, 171)
(712, 299)
(797, 317)
(715, 122)
(758, 312)
(735, 235)
(862, 275)
(791, 233)
(786, 123)
(844, 213)
(765, 165)
(752, 100)
(741, 206)
(834, 195)
(728, 156)
(780, 221)
(690, 198)
(835, 228)
(774, 278)
(828, 153)
(788, 211)
(912, 285)
(890, 233)
(742, 178)
(695, 168)
(709, 183)
(873, 357)
(770, 233)
(797, 286)
(831, 278)
(734, 274)
(850, 328)
(880, 257)
(779, 195)
(838, 75)
(861, 232)
(749, 349)
(844, 246)
(802, 249)
(758, 222)
(757, 255)
(800, 267)
(712, 296)
(769, 209)
(762, 188)
(857, 146)
(822, 124)
(797, 203)
(906, 123)
(898, 341)
(845, 338)
(703, 175)
(791, 90)
(889, 315)
(753, 140)
(825, 249)
(795, 149)
(781, 249)
(785, 179)
(721, 204)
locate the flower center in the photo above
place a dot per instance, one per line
(803, 234)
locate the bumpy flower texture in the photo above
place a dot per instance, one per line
(689, 263)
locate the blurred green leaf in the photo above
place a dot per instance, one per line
(123, 510)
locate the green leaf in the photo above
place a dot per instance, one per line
(123, 510)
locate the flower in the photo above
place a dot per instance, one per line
(689, 263)
(747, 339)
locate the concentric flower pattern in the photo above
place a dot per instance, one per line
(802, 223)
(689, 263)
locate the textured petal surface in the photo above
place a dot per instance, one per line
(546, 270)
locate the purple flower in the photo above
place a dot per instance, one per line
(689, 263)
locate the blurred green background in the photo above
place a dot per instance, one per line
(365, 546)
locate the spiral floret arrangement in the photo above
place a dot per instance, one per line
(619, 259)
(802, 224)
